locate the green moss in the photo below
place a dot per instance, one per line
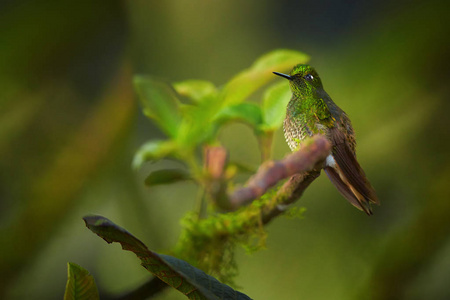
(209, 243)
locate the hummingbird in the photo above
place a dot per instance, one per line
(312, 111)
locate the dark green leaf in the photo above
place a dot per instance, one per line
(192, 282)
(166, 176)
(260, 73)
(154, 150)
(160, 103)
(245, 112)
(274, 105)
(80, 284)
(197, 90)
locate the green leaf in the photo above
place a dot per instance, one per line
(197, 126)
(160, 103)
(192, 282)
(260, 73)
(154, 150)
(274, 105)
(166, 176)
(80, 284)
(246, 112)
(196, 90)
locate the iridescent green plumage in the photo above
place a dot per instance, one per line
(311, 111)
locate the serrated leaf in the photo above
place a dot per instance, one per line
(166, 176)
(154, 150)
(196, 90)
(245, 112)
(260, 73)
(274, 105)
(160, 103)
(80, 284)
(192, 282)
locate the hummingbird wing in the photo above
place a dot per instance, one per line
(347, 175)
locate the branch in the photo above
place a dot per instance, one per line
(290, 192)
(270, 173)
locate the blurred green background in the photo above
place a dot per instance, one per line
(70, 123)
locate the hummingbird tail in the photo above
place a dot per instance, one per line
(347, 175)
(359, 202)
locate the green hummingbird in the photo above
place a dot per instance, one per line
(311, 111)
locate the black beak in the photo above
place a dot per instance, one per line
(283, 75)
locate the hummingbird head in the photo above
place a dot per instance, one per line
(303, 80)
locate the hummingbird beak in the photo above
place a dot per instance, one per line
(283, 75)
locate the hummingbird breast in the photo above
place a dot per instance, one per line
(296, 130)
(308, 116)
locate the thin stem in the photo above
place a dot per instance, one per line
(265, 145)
(200, 203)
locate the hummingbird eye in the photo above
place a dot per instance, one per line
(308, 77)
